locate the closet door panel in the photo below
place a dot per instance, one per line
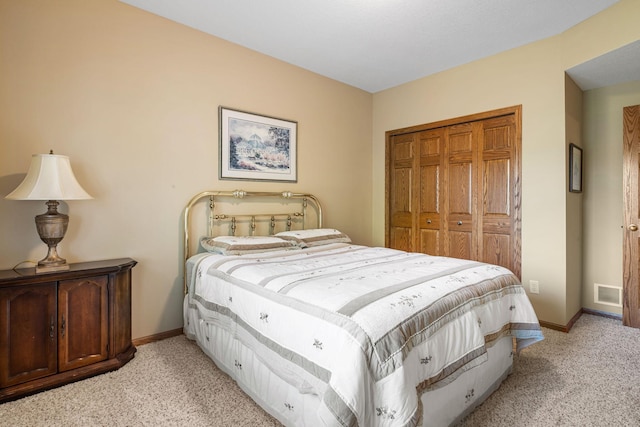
(401, 199)
(497, 249)
(429, 223)
(459, 230)
(401, 205)
(431, 144)
(460, 140)
(497, 185)
(460, 245)
(499, 133)
(400, 238)
(460, 216)
(430, 242)
(459, 197)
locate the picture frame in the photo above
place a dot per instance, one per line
(575, 168)
(256, 147)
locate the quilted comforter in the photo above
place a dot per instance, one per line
(366, 329)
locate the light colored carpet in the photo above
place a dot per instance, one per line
(588, 377)
(168, 383)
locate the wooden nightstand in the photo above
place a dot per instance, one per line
(63, 326)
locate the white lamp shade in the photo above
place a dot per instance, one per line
(49, 178)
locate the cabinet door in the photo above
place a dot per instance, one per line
(82, 322)
(27, 333)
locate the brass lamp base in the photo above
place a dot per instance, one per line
(52, 227)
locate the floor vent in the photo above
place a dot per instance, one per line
(608, 295)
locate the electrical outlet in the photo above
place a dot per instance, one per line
(534, 286)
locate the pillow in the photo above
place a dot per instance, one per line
(232, 245)
(314, 237)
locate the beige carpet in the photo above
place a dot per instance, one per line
(589, 377)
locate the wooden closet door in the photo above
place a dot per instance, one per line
(453, 188)
(431, 187)
(460, 239)
(498, 192)
(416, 191)
(401, 159)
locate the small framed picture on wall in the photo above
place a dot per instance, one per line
(575, 169)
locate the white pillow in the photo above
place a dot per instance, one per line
(232, 245)
(314, 237)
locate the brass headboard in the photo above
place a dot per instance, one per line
(249, 219)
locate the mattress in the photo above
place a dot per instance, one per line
(345, 334)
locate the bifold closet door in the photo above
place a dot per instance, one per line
(430, 226)
(498, 193)
(461, 238)
(416, 190)
(401, 209)
(454, 190)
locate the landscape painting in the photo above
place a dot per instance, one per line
(257, 147)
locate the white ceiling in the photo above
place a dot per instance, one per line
(618, 66)
(378, 44)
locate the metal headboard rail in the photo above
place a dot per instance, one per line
(235, 219)
(251, 218)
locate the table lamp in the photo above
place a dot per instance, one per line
(50, 178)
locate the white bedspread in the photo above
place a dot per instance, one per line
(366, 329)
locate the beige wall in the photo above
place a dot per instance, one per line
(132, 99)
(603, 204)
(532, 76)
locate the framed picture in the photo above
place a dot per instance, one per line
(575, 168)
(257, 147)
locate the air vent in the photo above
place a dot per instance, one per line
(607, 295)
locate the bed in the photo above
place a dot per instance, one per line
(319, 330)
